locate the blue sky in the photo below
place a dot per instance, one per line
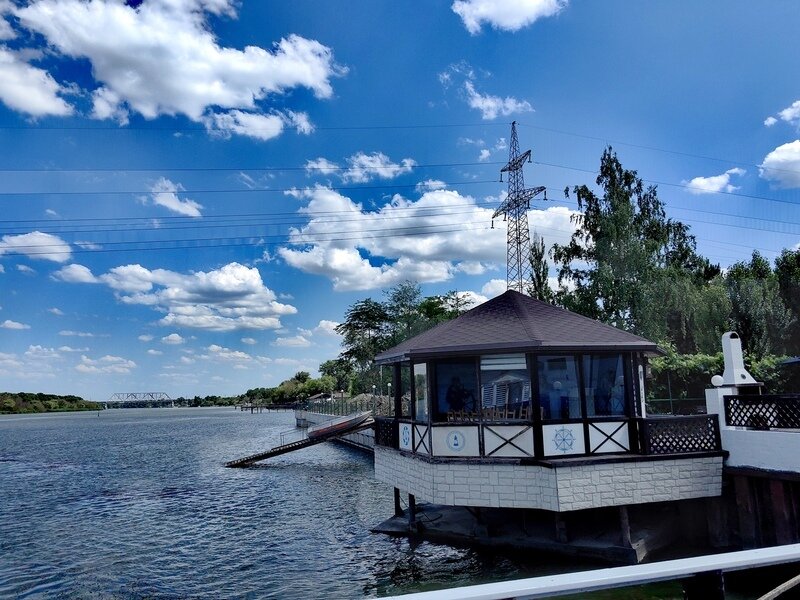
(194, 191)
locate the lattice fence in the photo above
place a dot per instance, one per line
(680, 435)
(386, 432)
(763, 412)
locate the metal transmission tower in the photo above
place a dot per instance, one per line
(515, 210)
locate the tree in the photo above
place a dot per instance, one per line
(402, 309)
(787, 272)
(339, 370)
(626, 258)
(302, 376)
(758, 313)
(539, 287)
(365, 331)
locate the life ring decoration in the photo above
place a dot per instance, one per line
(564, 439)
(455, 441)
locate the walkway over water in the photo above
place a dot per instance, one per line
(304, 442)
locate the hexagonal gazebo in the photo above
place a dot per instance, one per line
(521, 404)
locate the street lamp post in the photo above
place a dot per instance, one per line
(389, 392)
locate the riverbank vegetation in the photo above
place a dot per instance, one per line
(24, 402)
(630, 266)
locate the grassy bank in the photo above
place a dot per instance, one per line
(24, 402)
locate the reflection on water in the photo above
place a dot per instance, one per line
(135, 503)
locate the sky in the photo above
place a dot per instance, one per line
(193, 192)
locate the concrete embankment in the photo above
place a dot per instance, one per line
(363, 440)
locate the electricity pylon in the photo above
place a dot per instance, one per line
(515, 210)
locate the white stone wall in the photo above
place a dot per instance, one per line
(562, 488)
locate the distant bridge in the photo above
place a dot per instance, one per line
(138, 400)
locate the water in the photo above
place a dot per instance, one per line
(135, 503)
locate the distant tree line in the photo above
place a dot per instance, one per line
(25, 402)
(630, 266)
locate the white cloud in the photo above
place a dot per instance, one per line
(230, 298)
(494, 287)
(249, 341)
(36, 245)
(424, 240)
(365, 167)
(297, 341)
(326, 327)
(71, 349)
(493, 106)
(782, 165)
(173, 339)
(26, 269)
(88, 245)
(714, 184)
(429, 185)
(104, 365)
(28, 89)
(145, 337)
(791, 114)
(484, 155)
(154, 352)
(321, 165)
(37, 351)
(70, 333)
(2, 269)
(165, 193)
(9, 324)
(161, 58)
(56, 311)
(75, 273)
(770, 121)
(6, 32)
(507, 15)
(51, 213)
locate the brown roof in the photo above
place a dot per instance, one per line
(516, 322)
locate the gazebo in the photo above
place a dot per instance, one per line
(521, 404)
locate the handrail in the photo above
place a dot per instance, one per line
(776, 411)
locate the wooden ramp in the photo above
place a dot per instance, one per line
(297, 445)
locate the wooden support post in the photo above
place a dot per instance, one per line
(561, 529)
(412, 513)
(718, 527)
(705, 586)
(781, 512)
(747, 515)
(625, 527)
(398, 510)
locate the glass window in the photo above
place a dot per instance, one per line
(405, 391)
(455, 391)
(421, 392)
(559, 395)
(505, 387)
(604, 379)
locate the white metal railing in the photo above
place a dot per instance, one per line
(615, 577)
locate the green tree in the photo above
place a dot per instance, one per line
(339, 370)
(302, 376)
(365, 331)
(402, 308)
(787, 272)
(758, 313)
(539, 287)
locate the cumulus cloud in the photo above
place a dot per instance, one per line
(297, 341)
(326, 327)
(249, 341)
(71, 349)
(154, 352)
(165, 193)
(161, 58)
(75, 273)
(790, 114)
(230, 298)
(321, 165)
(145, 337)
(430, 184)
(88, 245)
(106, 364)
(424, 240)
(782, 165)
(365, 167)
(770, 121)
(26, 270)
(71, 333)
(714, 184)
(26, 88)
(56, 311)
(506, 15)
(36, 245)
(494, 287)
(492, 107)
(173, 339)
(484, 155)
(9, 324)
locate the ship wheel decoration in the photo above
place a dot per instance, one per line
(564, 439)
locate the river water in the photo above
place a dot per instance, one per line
(135, 503)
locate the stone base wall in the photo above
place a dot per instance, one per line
(559, 488)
